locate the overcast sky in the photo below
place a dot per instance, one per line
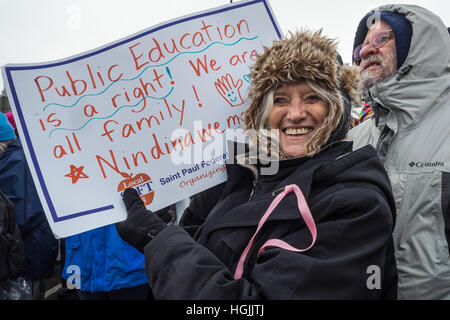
(46, 30)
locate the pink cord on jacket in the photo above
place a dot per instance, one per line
(306, 215)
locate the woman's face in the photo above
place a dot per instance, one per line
(297, 112)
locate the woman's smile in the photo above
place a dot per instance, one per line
(297, 112)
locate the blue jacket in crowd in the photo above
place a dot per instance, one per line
(41, 247)
(105, 261)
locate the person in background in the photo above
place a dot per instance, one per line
(120, 276)
(11, 120)
(299, 232)
(12, 253)
(403, 52)
(41, 247)
(109, 268)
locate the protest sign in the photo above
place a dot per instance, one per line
(140, 112)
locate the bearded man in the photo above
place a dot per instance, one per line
(404, 56)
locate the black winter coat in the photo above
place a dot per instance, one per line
(350, 198)
(12, 254)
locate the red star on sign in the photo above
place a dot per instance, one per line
(76, 173)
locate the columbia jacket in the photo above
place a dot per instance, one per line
(411, 133)
(350, 199)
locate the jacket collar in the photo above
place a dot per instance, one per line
(300, 171)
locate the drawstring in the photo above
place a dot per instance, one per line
(306, 215)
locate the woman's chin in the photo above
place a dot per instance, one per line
(294, 151)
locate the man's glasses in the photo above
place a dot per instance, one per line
(378, 41)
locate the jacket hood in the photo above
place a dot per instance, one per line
(400, 26)
(419, 85)
(305, 55)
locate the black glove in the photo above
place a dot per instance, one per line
(167, 214)
(141, 224)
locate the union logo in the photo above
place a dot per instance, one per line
(141, 183)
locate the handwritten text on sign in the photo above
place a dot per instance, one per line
(112, 118)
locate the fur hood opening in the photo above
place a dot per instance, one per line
(306, 55)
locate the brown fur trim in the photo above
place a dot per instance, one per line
(351, 82)
(299, 56)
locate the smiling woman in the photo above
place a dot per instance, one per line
(301, 97)
(297, 112)
(260, 241)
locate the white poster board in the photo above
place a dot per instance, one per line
(139, 112)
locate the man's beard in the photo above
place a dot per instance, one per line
(388, 66)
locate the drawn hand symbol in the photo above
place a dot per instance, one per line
(230, 90)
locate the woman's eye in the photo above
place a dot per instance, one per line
(278, 100)
(313, 98)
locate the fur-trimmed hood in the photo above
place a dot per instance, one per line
(304, 55)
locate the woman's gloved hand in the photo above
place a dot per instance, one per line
(141, 225)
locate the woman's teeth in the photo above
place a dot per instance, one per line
(297, 131)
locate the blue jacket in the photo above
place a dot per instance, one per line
(106, 262)
(41, 247)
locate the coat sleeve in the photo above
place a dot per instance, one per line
(41, 247)
(199, 207)
(21, 190)
(350, 260)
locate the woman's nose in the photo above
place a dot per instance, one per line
(296, 111)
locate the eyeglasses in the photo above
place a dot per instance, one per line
(378, 41)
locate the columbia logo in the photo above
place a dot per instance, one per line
(420, 164)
